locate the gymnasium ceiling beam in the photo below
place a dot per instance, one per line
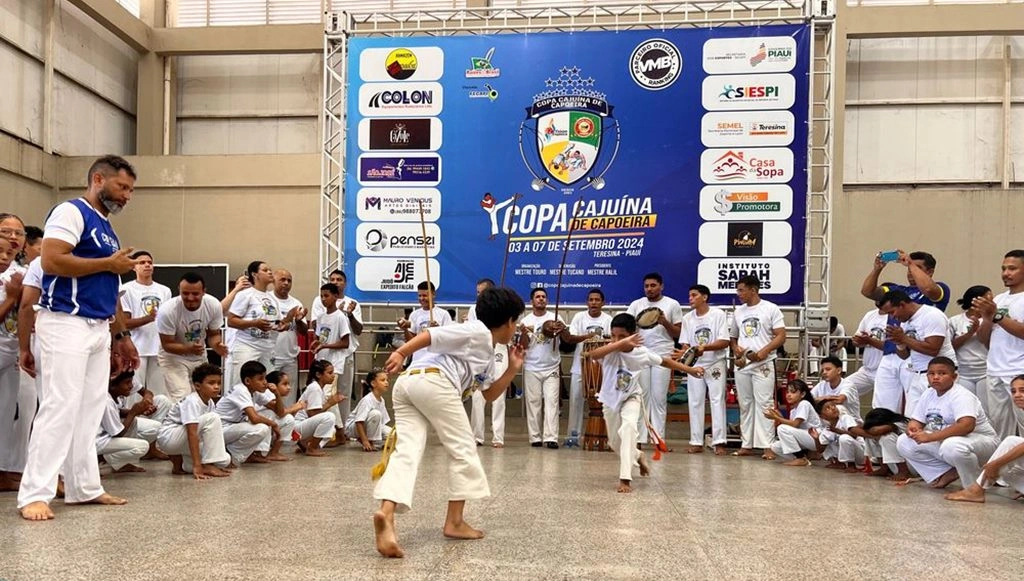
(265, 39)
(123, 24)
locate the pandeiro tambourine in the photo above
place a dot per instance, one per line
(648, 318)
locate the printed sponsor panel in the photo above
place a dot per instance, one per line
(395, 274)
(742, 165)
(398, 63)
(745, 239)
(720, 274)
(729, 202)
(403, 239)
(406, 134)
(398, 204)
(411, 170)
(747, 128)
(757, 54)
(748, 92)
(400, 99)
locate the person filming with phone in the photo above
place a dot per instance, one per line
(921, 286)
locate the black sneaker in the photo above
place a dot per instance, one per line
(536, 444)
(553, 445)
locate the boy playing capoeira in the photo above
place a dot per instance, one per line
(458, 360)
(120, 442)
(621, 395)
(192, 431)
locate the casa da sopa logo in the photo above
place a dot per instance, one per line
(569, 134)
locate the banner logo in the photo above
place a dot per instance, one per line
(400, 64)
(410, 170)
(655, 64)
(482, 67)
(570, 121)
(403, 99)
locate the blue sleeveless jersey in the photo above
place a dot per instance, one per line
(93, 296)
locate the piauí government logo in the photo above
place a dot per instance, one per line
(572, 123)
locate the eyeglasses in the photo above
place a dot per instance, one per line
(12, 232)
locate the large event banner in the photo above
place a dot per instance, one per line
(682, 152)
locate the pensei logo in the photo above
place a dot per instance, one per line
(655, 64)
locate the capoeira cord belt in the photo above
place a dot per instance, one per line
(655, 438)
(385, 454)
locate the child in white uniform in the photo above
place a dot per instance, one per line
(476, 418)
(949, 435)
(369, 421)
(270, 404)
(246, 433)
(331, 345)
(1006, 463)
(120, 448)
(459, 360)
(880, 431)
(798, 434)
(425, 316)
(314, 421)
(621, 396)
(843, 450)
(192, 430)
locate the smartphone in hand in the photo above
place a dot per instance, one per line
(889, 255)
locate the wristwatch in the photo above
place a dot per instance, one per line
(122, 334)
(998, 317)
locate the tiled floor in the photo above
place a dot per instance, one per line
(554, 514)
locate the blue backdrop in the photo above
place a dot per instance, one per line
(678, 151)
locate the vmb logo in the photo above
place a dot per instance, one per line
(655, 64)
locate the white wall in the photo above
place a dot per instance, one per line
(248, 104)
(94, 80)
(929, 110)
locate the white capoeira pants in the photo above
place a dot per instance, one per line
(1006, 418)
(162, 403)
(885, 448)
(843, 447)
(965, 453)
(289, 367)
(376, 430)
(345, 382)
(477, 417)
(150, 375)
(755, 390)
(541, 391)
(17, 454)
(74, 364)
(623, 433)
(173, 441)
(286, 425)
(577, 407)
(792, 440)
(422, 400)
(654, 382)
(10, 386)
(713, 383)
(243, 438)
(888, 385)
(914, 386)
(242, 354)
(119, 452)
(1013, 472)
(862, 379)
(177, 374)
(320, 426)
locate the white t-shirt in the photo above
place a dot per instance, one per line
(231, 407)
(703, 330)
(313, 395)
(34, 274)
(317, 310)
(541, 356)
(939, 412)
(928, 322)
(110, 423)
(363, 408)
(141, 300)
(620, 375)
(852, 405)
(833, 346)
(873, 323)
(583, 324)
(250, 305)
(189, 326)
(754, 328)
(464, 354)
(9, 324)
(845, 422)
(657, 338)
(330, 328)
(972, 356)
(471, 315)
(287, 345)
(187, 411)
(1005, 351)
(262, 399)
(419, 320)
(805, 411)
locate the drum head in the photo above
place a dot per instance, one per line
(648, 318)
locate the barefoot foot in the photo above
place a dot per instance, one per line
(946, 479)
(278, 458)
(387, 541)
(129, 468)
(104, 500)
(37, 511)
(695, 449)
(645, 469)
(972, 493)
(461, 531)
(624, 487)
